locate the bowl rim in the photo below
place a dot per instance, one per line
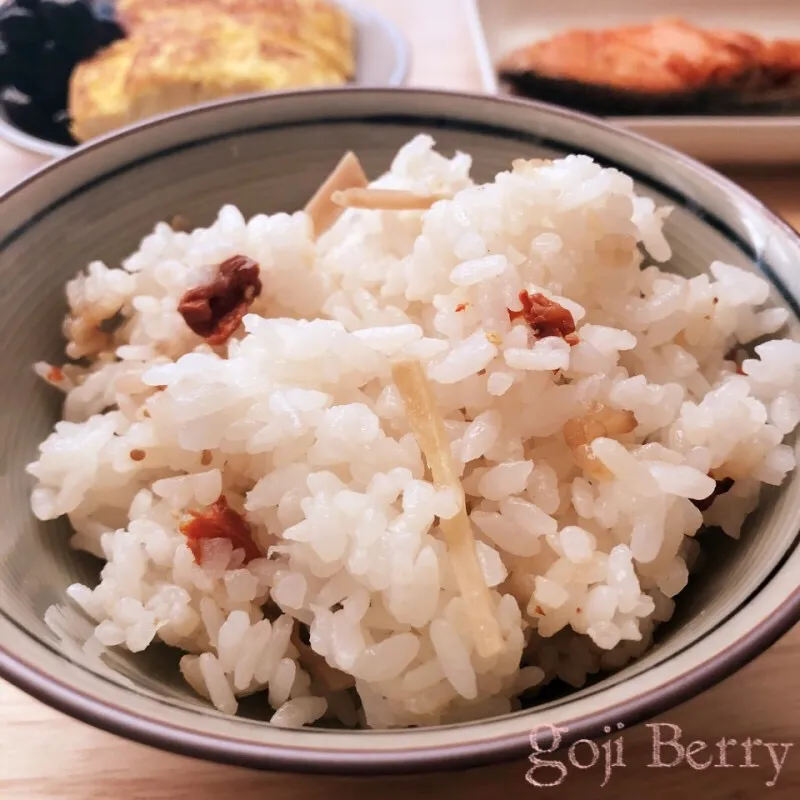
(698, 677)
(360, 14)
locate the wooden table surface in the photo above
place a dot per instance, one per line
(47, 756)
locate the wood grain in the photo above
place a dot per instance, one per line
(47, 756)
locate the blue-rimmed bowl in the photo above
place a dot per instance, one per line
(267, 154)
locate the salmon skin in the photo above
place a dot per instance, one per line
(666, 67)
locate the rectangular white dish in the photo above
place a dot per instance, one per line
(500, 26)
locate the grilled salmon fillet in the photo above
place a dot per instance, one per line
(666, 56)
(181, 52)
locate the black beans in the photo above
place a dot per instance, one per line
(19, 26)
(41, 42)
(59, 127)
(19, 72)
(72, 24)
(54, 68)
(110, 30)
(22, 112)
(5, 63)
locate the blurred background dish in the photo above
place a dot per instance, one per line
(172, 54)
(72, 70)
(727, 102)
(665, 67)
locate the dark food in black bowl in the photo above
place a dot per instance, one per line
(41, 42)
(665, 67)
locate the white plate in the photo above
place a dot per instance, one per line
(499, 26)
(382, 59)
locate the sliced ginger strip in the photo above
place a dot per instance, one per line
(428, 427)
(598, 421)
(347, 174)
(384, 199)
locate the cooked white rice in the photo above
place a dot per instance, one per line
(299, 423)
